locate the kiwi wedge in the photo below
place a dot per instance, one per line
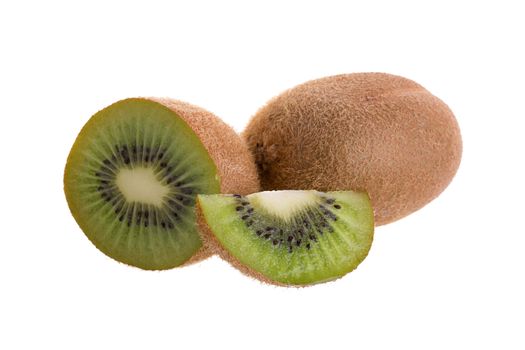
(133, 173)
(289, 237)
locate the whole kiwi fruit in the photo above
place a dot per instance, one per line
(134, 172)
(373, 132)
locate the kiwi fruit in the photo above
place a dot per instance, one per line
(373, 132)
(291, 238)
(135, 169)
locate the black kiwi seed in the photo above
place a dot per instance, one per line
(337, 206)
(239, 208)
(154, 220)
(330, 201)
(237, 195)
(244, 217)
(107, 171)
(156, 155)
(258, 232)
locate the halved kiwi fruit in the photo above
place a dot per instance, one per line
(289, 237)
(134, 171)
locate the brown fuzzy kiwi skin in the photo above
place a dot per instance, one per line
(373, 132)
(235, 164)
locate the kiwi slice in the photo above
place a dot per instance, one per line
(133, 173)
(289, 237)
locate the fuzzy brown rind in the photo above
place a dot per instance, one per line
(375, 132)
(235, 164)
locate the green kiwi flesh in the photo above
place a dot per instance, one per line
(290, 237)
(131, 180)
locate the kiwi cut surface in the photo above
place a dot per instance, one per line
(132, 176)
(289, 237)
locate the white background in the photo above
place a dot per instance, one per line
(447, 277)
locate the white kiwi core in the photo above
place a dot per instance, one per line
(141, 185)
(283, 204)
